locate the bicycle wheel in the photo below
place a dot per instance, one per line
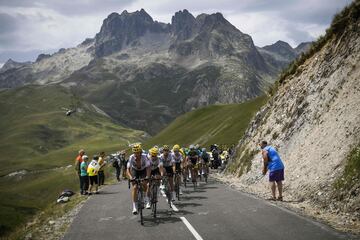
(154, 198)
(177, 186)
(167, 191)
(184, 180)
(140, 205)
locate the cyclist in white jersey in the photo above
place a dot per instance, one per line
(167, 167)
(178, 160)
(154, 160)
(138, 167)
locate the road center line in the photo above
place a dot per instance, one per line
(191, 228)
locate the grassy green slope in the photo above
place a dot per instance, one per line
(222, 124)
(38, 137)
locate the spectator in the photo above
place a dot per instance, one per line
(273, 163)
(117, 165)
(92, 170)
(123, 161)
(102, 164)
(84, 179)
(78, 161)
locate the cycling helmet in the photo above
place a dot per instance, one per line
(176, 147)
(166, 148)
(136, 148)
(203, 150)
(154, 152)
(191, 147)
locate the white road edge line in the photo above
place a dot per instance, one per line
(163, 193)
(174, 207)
(191, 228)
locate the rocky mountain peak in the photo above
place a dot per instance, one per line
(303, 47)
(183, 24)
(278, 45)
(11, 64)
(119, 31)
(283, 49)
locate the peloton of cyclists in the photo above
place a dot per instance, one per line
(158, 164)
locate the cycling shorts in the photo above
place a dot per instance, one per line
(193, 161)
(155, 172)
(178, 167)
(169, 171)
(138, 174)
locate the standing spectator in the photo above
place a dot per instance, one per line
(273, 163)
(117, 165)
(123, 161)
(92, 170)
(102, 164)
(78, 161)
(84, 179)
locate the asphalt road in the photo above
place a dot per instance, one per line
(213, 211)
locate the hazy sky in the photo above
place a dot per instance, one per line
(30, 27)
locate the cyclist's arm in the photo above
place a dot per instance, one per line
(161, 167)
(148, 172)
(128, 172)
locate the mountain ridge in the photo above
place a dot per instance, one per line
(198, 61)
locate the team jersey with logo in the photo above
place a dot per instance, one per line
(178, 158)
(166, 162)
(144, 162)
(154, 162)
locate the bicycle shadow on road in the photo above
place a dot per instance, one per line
(163, 217)
(193, 197)
(183, 204)
(207, 187)
(106, 193)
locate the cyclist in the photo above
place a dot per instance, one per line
(205, 159)
(186, 165)
(178, 160)
(166, 166)
(153, 156)
(138, 167)
(200, 163)
(192, 160)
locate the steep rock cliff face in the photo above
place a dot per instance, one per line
(314, 122)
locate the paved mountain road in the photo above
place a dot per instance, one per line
(213, 211)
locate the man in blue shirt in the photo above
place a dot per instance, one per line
(273, 163)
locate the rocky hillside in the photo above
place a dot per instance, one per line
(314, 122)
(144, 73)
